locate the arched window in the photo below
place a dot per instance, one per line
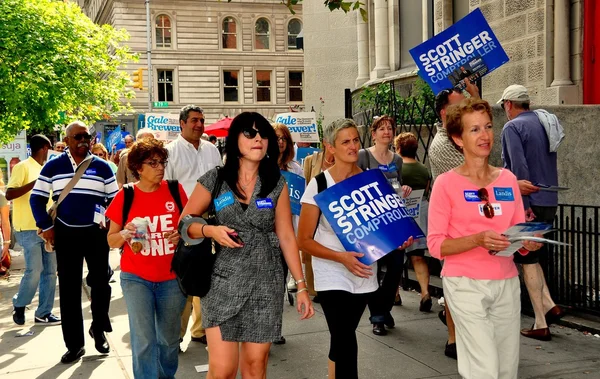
(294, 28)
(262, 34)
(229, 33)
(163, 31)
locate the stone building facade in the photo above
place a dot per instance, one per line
(225, 57)
(544, 40)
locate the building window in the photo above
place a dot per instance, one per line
(263, 86)
(229, 33)
(163, 31)
(295, 86)
(294, 28)
(262, 34)
(165, 85)
(411, 30)
(231, 85)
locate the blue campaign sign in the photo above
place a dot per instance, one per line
(367, 215)
(467, 49)
(304, 152)
(296, 186)
(113, 138)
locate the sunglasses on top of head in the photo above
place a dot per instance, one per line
(488, 209)
(82, 136)
(251, 133)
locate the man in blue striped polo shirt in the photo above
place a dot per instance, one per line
(76, 235)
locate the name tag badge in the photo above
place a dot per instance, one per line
(99, 217)
(383, 167)
(223, 201)
(90, 171)
(497, 209)
(264, 203)
(392, 167)
(471, 196)
(504, 194)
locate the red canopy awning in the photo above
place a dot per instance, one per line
(219, 128)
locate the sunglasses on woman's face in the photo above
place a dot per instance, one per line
(488, 209)
(250, 133)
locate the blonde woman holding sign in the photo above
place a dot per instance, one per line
(343, 283)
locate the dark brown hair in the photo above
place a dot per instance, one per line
(288, 154)
(383, 120)
(455, 113)
(142, 150)
(406, 145)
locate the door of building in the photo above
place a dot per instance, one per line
(591, 53)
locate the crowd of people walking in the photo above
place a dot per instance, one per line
(140, 203)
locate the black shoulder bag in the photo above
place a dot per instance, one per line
(193, 264)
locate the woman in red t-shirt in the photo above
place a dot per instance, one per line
(154, 300)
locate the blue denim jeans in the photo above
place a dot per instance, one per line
(154, 310)
(40, 269)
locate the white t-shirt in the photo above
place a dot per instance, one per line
(187, 164)
(330, 275)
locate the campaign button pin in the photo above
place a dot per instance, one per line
(504, 194)
(264, 203)
(223, 201)
(471, 196)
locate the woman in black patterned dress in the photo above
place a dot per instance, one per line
(245, 301)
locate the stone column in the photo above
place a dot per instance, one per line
(562, 51)
(382, 54)
(425, 19)
(362, 30)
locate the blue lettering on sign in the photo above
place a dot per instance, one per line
(289, 120)
(264, 203)
(471, 196)
(504, 194)
(161, 124)
(223, 201)
(303, 129)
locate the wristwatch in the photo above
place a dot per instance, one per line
(184, 225)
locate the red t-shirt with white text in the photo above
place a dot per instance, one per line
(160, 209)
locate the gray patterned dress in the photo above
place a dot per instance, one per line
(246, 292)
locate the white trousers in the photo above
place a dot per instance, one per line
(487, 315)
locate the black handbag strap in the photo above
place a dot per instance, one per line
(212, 213)
(321, 186)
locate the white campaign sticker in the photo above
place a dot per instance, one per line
(497, 209)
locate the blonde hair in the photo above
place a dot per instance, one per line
(100, 146)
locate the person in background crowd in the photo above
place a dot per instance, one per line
(286, 162)
(343, 283)
(529, 151)
(191, 157)
(416, 176)
(244, 304)
(465, 225)
(205, 137)
(76, 235)
(100, 151)
(152, 294)
(124, 175)
(5, 239)
(129, 140)
(213, 139)
(40, 265)
(314, 164)
(381, 157)
(60, 146)
(443, 157)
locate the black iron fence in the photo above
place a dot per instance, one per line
(572, 272)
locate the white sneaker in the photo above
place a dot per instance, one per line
(442, 301)
(291, 285)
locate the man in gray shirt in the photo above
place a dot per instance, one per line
(528, 150)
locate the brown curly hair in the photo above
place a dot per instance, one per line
(406, 145)
(455, 113)
(142, 150)
(381, 121)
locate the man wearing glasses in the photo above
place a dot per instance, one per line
(190, 157)
(78, 232)
(529, 151)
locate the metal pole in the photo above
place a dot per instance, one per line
(149, 55)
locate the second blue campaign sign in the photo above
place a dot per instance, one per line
(367, 215)
(467, 49)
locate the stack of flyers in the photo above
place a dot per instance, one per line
(526, 231)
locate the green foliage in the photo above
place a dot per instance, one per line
(320, 119)
(55, 62)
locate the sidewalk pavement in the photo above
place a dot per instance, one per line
(414, 349)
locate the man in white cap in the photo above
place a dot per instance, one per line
(529, 143)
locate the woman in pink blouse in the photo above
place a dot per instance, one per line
(470, 207)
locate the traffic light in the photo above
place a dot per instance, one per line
(138, 78)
